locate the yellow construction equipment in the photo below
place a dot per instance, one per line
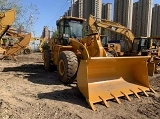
(41, 44)
(148, 46)
(6, 20)
(113, 48)
(114, 27)
(18, 46)
(143, 46)
(13, 34)
(99, 77)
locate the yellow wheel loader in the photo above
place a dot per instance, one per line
(83, 58)
(6, 20)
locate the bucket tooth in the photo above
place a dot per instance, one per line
(135, 94)
(116, 98)
(91, 105)
(126, 96)
(152, 90)
(143, 92)
(104, 101)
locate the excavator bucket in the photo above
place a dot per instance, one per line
(104, 78)
(18, 46)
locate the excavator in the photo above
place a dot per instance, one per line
(148, 46)
(6, 20)
(82, 58)
(142, 46)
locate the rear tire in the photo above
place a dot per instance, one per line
(67, 66)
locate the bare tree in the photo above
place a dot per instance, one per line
(26, 15)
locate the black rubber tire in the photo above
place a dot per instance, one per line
(114, 53)
(67, 66)
(47, 57)
(27, 51)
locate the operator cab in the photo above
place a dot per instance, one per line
(140, 44)
(69, 27)
(145, 45)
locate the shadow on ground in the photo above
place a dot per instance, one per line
(71, 95)
(35, 73)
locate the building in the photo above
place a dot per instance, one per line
(123, 14)
(106, 14)
(142, 18)
(93, 7)
(83, 8)
(107, 11)
(45, 33)
(96, 8)
(135, 19)
(155, 28)
(78, 9)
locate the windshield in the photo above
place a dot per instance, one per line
(144, 42)
(74, 29)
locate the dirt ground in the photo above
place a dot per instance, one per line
(27, 91)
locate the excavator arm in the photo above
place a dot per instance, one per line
(112, 26)
(6, 20)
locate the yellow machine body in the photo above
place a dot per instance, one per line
(99, 77)
(6, 20)
(21, 45)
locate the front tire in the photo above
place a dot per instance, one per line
(67, 66)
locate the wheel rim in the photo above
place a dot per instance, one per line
(61, 67)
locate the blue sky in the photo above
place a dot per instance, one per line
(51, 10)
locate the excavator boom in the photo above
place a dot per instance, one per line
(6, 20)
(112, 26)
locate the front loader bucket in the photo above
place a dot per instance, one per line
(103, 78)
